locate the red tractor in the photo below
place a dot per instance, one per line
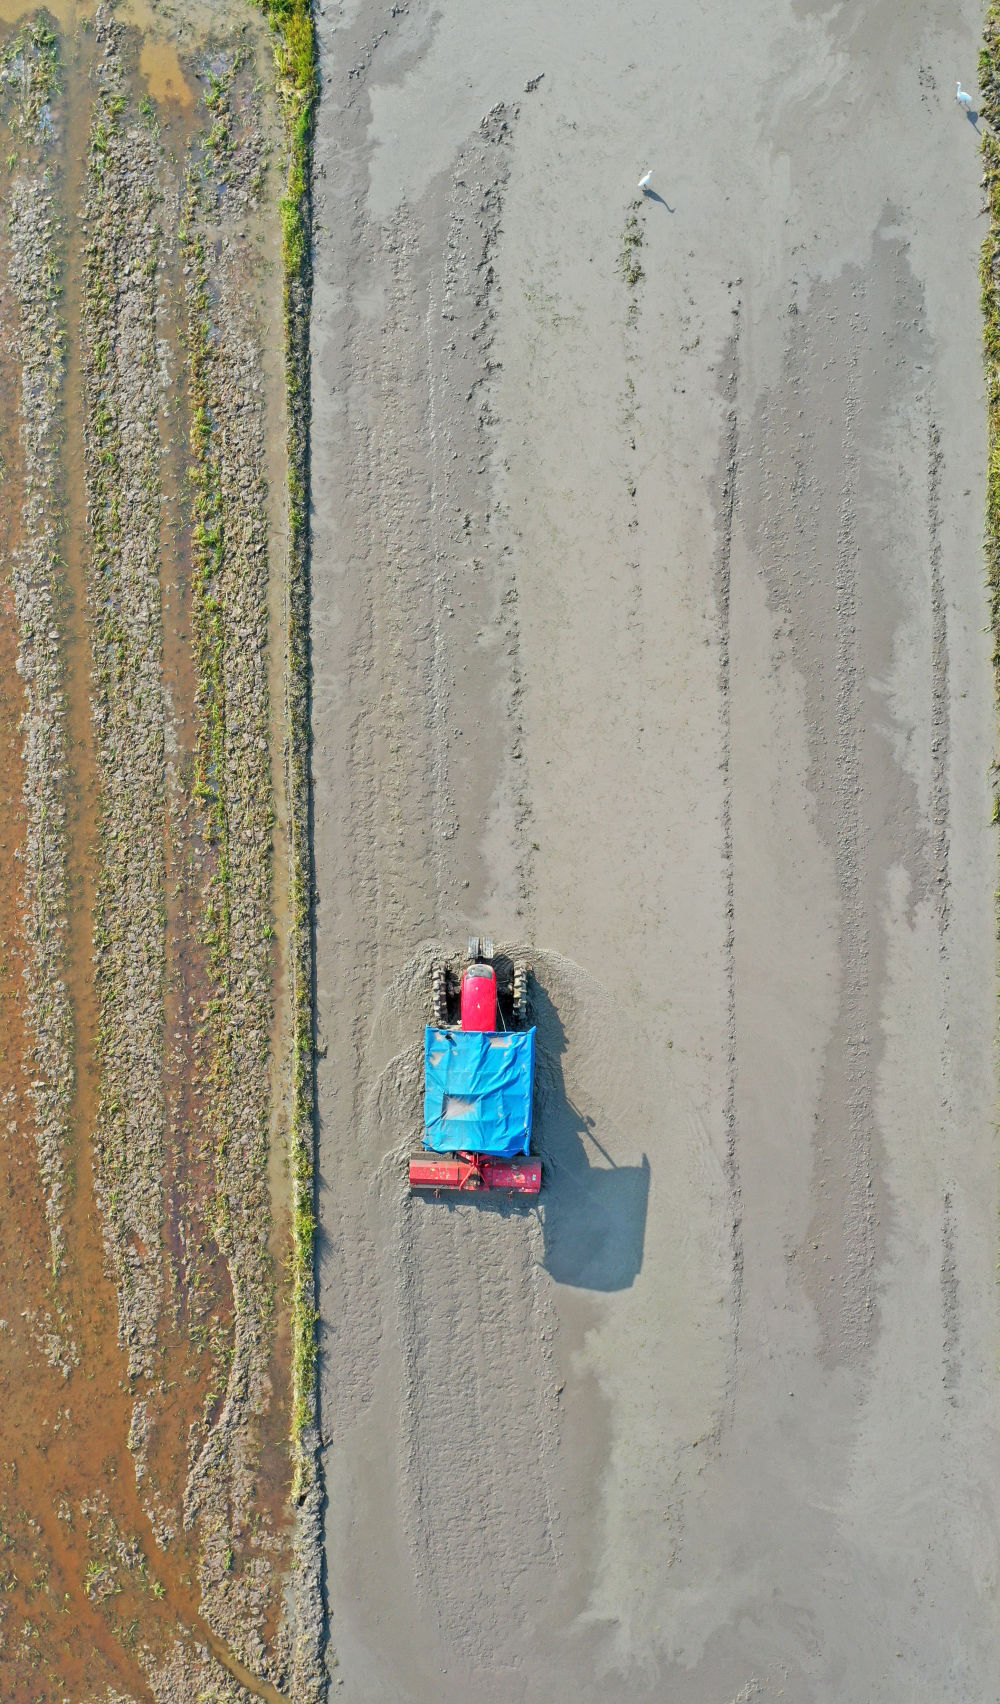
(479, 1072)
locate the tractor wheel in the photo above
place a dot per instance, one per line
(439, 995)
(522, 971)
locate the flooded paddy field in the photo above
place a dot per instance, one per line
(155, 1512)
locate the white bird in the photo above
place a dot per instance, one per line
(644, 180)
(963, 97)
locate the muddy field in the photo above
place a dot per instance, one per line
(153, 1517)
(649, 635)
(649, 629)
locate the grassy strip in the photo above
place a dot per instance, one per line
(630, 265)
(989, 83)
(295, 60)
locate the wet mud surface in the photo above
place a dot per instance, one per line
(649, 628)
(146, 1523)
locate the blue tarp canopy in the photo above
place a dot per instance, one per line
(477, 1091)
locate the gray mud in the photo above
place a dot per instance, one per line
(649, 627)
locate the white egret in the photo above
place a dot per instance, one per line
(644, 181)
(963, 97)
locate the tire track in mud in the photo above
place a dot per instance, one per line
(850, 1080)
(940, 701)
(427, 622)
(473, 534)
(940, 831)
(395, 860)
(727, 481)
(443, 603)
(476, 1453)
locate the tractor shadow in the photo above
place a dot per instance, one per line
(594, 1219)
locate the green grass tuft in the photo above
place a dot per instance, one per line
(291, 23)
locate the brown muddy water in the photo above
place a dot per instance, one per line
(103, 1575)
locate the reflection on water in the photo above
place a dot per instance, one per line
(65, 12)
(159, 61)
(161, 67)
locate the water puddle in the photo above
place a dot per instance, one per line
(66, 13)
(160, 65)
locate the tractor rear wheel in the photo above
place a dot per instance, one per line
(522, 972)
(439, 995)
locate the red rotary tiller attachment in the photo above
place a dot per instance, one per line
(466, 1172)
